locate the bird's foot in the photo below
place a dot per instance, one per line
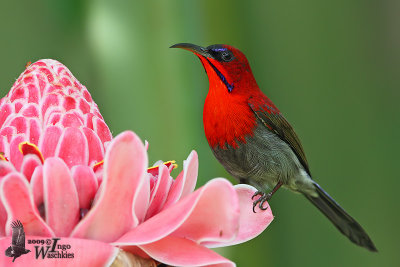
(261, 200)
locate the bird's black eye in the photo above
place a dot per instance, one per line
(220, 53)
(226, 56)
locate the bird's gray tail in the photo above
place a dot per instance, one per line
(341, 219)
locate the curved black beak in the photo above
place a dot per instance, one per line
(193, 48)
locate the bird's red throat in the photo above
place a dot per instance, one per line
(227, 117)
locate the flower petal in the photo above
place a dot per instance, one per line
(7, 132)
(49, 140)
(20, 123)
(29, 164)
(15, 155)
(140, 202)
(124, 171)
(35, 131)
(96, 152)
(6, 110)
(101, 128)
(17, 199)
(186, 180)
(160, 191)
(251, 224)
(5, 168)
(60, 197)
(86, 185)
(209, 213)
(177, 251)
(73, 147)
(4, 146)
(3, 220)
(37, 186)
(85, 253)
(217, 219)
(72, 119)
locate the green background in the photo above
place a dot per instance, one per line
(332, 67)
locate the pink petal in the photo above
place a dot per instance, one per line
(20, 123)
(60, 197)
(37, 186)
(33, 93)
(186, 180)
(34, 131)
(177, 251)
(8, 132)
(5, 168)
(4, 146)
(101, 128)
(217, 219)
(85, 253)
(72, 119)
(6, 110)
(30, 110)
(15, 155)
(3, 220)
(96, 152)
(53, 117)
(17, 199)
(209, 213)
(69, 102)
(86, 185)
(73, 147)
(49, 140)
(18, 105)
(124, 171)
(251, 224)
(84, 106)
(191, 167)
(29, 164)
(160, 191)
(89, 120)
(140, 202)
(48, 101)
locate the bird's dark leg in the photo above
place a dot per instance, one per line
(264, 197)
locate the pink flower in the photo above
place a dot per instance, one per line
(52, 179)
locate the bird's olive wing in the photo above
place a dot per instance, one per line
(276, 123)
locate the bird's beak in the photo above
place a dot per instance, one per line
(193, 48)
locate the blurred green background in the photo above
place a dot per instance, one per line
(332, 67)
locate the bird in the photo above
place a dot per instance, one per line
(254, 142)
(17, 247)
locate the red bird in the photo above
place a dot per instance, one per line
(254, 142)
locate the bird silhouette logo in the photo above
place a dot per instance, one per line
(17, 247)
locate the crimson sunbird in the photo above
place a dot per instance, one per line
(254, 142)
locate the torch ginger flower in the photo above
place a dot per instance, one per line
(53, 141)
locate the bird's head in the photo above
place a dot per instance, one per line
(226, 66)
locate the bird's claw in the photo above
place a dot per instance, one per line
(258, 193)
(260, 201)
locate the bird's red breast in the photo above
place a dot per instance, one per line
(227, 116)
(227, 119)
